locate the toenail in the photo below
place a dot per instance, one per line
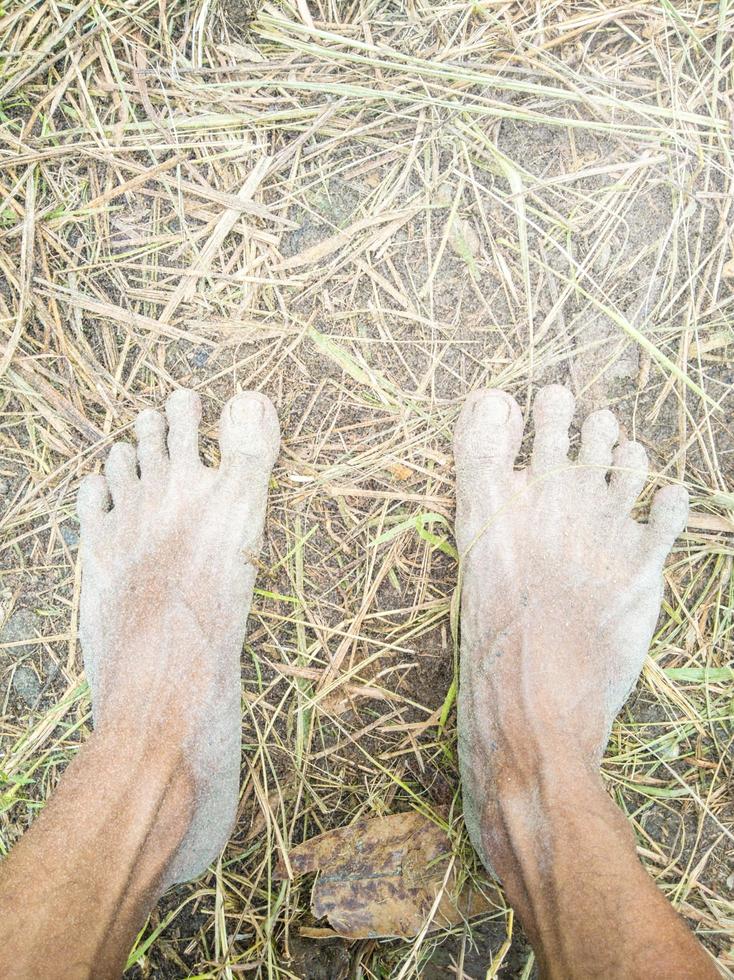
(247, 409)
(554, 402)
(183, 399)
(602, 424)
(493, 409)
(149, 421)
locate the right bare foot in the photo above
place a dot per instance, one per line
(168, 574)
(561, 591)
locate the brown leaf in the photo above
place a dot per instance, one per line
(381, 877)
(399, 471)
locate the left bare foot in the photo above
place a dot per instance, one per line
(167, 584)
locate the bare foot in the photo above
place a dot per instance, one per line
(561, 591)
(166, 588)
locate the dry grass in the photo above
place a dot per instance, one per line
(367, 209)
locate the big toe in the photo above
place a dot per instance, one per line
(488, 433)
(249, 436)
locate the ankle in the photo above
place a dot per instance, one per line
(152, 763)
(532, 795)
(537, 755)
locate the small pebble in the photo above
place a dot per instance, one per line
(70, 535)
(26, 685)
(200, 357)
(24, 624)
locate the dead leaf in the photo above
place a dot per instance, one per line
(382, 877)
(399, 471)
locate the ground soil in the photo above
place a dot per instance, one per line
(368, 353)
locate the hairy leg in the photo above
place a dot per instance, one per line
(168, 548)
(75, 891)
(561, 590)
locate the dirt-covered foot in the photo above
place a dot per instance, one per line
(561, 590)
(167, 548)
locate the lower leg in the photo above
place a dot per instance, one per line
(560, 594)
(167, 580)
(567, 860)
(77, 888)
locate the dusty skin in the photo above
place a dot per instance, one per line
(560, 594)
(561, 590)
(166, 589)
(168, 548)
